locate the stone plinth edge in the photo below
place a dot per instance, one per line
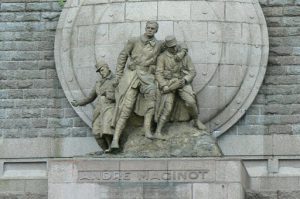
(184, 177)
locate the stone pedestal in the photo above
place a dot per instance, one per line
(183, 178)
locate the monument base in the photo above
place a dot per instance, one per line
(184, 178)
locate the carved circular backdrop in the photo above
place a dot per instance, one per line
(227, 41)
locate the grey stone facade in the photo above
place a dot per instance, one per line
(32, 101)
(37, 121)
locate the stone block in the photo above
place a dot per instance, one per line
(76, 191)
(280, 129)
(174, 10)
(272, 11)
(102, 33)
(190, 31)
(109, 13)
(10, 185)
(235, 191)
(232, 32)
(231, 75)
(86, 14)
(167, 191)
(119, 33)
(207, 11)
(279, 183)
(7, 16)
(211, 92)
(201, 191)
(280, 3)
(83, 57)
(95, 165)
(218, 191)
(286, 144)
(253, 130)
(36, 186)
(128, 165)
(28, 16)
(256, 145)
(230, 171)
(215, 31)
(237, 53)
(86, 36)
(198, 52)
(38, 6)
(141, 11)
(15, 7)
(61, 172)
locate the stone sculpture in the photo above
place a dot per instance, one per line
(174, 81)
(138, 88)
(153, 79)
(104, 93)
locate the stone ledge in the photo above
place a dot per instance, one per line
(47, 147)
(168, 178)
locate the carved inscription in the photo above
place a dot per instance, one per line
(143, 176)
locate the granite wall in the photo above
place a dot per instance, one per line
(32, 101)
(37, 121)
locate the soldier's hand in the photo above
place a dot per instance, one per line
(179, 56)
(182, 82)
(165, 89)
(75, 103)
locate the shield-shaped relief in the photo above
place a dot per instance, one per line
(227, 41)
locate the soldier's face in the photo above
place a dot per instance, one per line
(151, 29)
(104, 72)
(172, 49)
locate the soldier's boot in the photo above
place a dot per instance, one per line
(108, 142)
(199, 125)
(119, 128)
(158, 134)
(147, 125)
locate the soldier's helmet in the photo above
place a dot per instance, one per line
(170, 41)
(100, 64)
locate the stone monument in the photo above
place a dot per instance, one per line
(212, 76)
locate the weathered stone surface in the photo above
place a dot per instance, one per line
(261, 195)
(159, 178)
(220, 45)
(182, 141)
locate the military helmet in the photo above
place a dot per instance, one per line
(170, 41)
(100, 64)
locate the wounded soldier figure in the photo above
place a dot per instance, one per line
(136, 91)
(174, 80)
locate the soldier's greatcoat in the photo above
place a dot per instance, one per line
(104, 93)
(137, 84)
(167, 70)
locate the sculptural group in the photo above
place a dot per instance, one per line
(153, 79)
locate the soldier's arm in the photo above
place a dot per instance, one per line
(159, 73)
(190, 73)
(122, 59)
(183, 49)
(91, 97)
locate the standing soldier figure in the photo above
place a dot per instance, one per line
(104, 92)
(137, 84)
(174, 79)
